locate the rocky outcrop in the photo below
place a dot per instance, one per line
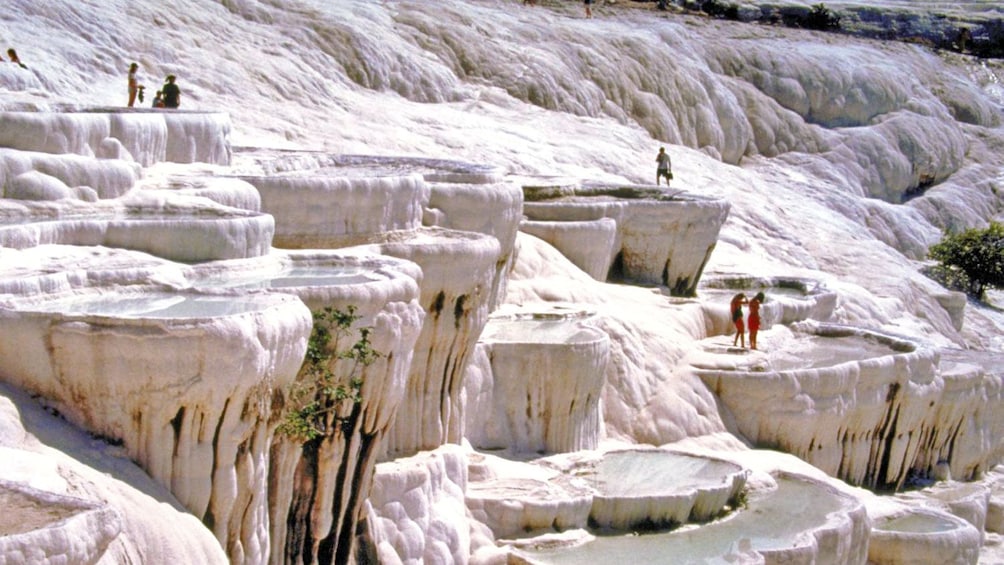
(663, 238)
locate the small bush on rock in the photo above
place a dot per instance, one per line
(321, 399)
(972, 260)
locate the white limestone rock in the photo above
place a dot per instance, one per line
(661, 239)
(869, 421)
(169, 226)
(339, 209)
(147, 137)
(196, 365)
(70, 498)
(649, 397)
(458, 269)
(317, 486)
(591, 245)
(417, 512)
(923, 536)
(108, 178)
(493, 209)
(546, 378)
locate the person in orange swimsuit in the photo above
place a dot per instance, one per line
(736, 310)
(754, 318)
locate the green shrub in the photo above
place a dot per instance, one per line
(320, 399)
(821, 18)
(973, 259)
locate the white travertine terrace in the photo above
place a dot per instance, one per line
(316, 488)
(189, 401)
(493, 209)
(541, 385)
(831, 156)
(590, 245)
(663, 238)
(519, 499)
(71, 498)
(639, 487)
(789, 299)
(146, 137)
(458, 269)
(923, 536)
(172, 227)
(418, 514)
(870, 421)
(34, 176)
(794, 520)
(34, 519)
(345, 209)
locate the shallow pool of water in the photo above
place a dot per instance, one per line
(538, 331)
(772, 521)
(153, 305)
(724, 295)
(915, 523)
(300, 277)
(643, 473)
(814, 351)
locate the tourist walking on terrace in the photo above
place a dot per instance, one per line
(134, 86)
(14, 58)
(172, 94)
(665, 167)
(589, 10)
(754, 318)
(736, 309)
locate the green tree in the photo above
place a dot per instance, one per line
(321, 398)
(973, 258)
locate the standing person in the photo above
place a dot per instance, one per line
(171, 92)
(14, 58)
(665, 167)
(133, 83)
(754, 317)
(589, 10)
(736, 309)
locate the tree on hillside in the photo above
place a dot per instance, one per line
(973, 259)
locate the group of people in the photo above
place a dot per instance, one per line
(12, 54)
(753, 321)
(169, 95)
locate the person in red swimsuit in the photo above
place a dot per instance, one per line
(754, 318)
(736, 310)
